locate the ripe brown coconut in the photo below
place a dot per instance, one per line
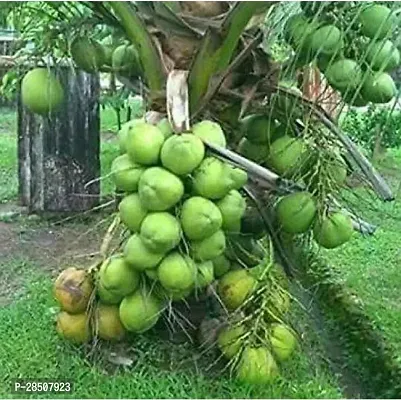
(203, 9)
(72, 289)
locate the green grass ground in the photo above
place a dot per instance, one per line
(31, 348)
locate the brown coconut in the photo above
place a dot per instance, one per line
(72, 289)
(73, 327)
(203, 9)
(108, 324)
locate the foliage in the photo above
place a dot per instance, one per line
(363, 127)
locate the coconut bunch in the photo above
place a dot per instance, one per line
(93, 56)
(256, 339)
(318, 167)
(351, 45)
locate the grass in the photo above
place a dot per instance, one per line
(371, 265)
(33, 350)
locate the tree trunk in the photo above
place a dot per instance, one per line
(59, 153)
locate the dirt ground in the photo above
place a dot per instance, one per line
(30, 242)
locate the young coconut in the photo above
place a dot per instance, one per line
(377, 21)
(108, 297)
(205, 275)
(257, 366)
(210, 247)
(230, 340)
(383, 56)
(122, 134)
(232, 208)
(72, 289)
(126, 174)
(210, 131)
(287, 154)
(379, 88)
(235, 287)
(237, 176)
(260, 129)
(326, 40)
(73, 327)
(125, 60)
(160, 232)
(140, 311)
(138, 256)
(41, 91)
(221, 265)
(181, 154)
(177, 273)
(212, 179)
(344, 74)
(88, 54)
(333, 231)
(200, 218)
(108, 324)
(144, 142)
(117, 277)
(132, 212)
(159, 189)
(296, 212)
(282, 340)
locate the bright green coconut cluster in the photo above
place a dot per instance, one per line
(180, 204)
(362, 75)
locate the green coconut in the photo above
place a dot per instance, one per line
(117, 277)
(178, 296)
(108, 297)
(159, 189)
(177, 273)
(165, 128)
(382, 55)
(132, 212)
(260, 129)
(337, 170)
(221, 265)
(211, 179)
(323, 61)
(126, 174)
(210, 131)
(327, 40)
(235, 287)
(245, 249)
(125, 60)
(205, 275)
(160, 232)
(286, 155)
(88, 54)
(210, 247)
(139, 256)
(344, 74)
(181, 154)
(122, 134)
(377, 21)
(41, 91)
(333, 230)
(379, 88)
(257, 366)
(237, 176)
(73, 327)
(283, 341)
(255, 152)
(108, 324)
(296, 212)
(144, 142)
(295, 29)
(200, 218)
(230, 340)
(232, 208)
(140, 311)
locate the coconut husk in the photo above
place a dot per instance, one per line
(203, 9)
(180, 49)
